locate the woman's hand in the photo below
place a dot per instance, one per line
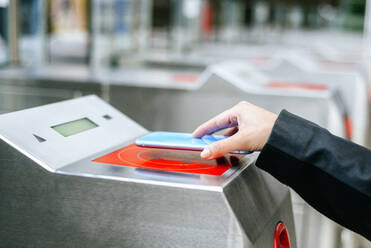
(249, 129)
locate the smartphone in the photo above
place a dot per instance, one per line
(180, 141)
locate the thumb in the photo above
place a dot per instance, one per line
(222, 147)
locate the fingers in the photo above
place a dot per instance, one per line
(222, 147)
(221, 121)
(231, 131)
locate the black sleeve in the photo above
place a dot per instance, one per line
(332, 174)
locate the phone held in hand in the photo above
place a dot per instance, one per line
(179, 141)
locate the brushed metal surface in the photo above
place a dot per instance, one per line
(87, 167)
(83, 204)
(18, 128)
(43, 209)
(184, 110)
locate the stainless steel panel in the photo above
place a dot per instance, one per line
(80, 203)
(88, 168)
(59, 151)
(13, 98)
(351, 87)
(44, 209)
(22, 93)
(184, 110)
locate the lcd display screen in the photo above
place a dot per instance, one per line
(74, 127)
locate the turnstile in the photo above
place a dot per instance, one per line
(70, 176)
(351, 86)
(347, 113)
(223, 85)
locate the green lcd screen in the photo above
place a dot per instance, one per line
(74, 127)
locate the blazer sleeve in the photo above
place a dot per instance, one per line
(332, 174)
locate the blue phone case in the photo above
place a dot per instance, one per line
(183, 141)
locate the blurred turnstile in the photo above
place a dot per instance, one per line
(351, 86)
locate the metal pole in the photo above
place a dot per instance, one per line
(145, 25)
(44, 48)
(367, 31)
(13, 32)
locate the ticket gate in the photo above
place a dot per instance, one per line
(351, 86)
(347, 118)
(222, 86)
(182, 107)
(70, 176)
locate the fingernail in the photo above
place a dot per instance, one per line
(205, 153)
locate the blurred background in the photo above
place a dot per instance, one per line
(172, 64)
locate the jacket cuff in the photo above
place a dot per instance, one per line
(290, 134)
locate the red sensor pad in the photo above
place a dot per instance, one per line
(281, 236)
(298, 85)
(168, 160)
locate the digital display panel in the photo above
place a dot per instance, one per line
(74, 127)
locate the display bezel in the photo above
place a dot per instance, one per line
(75, 130)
